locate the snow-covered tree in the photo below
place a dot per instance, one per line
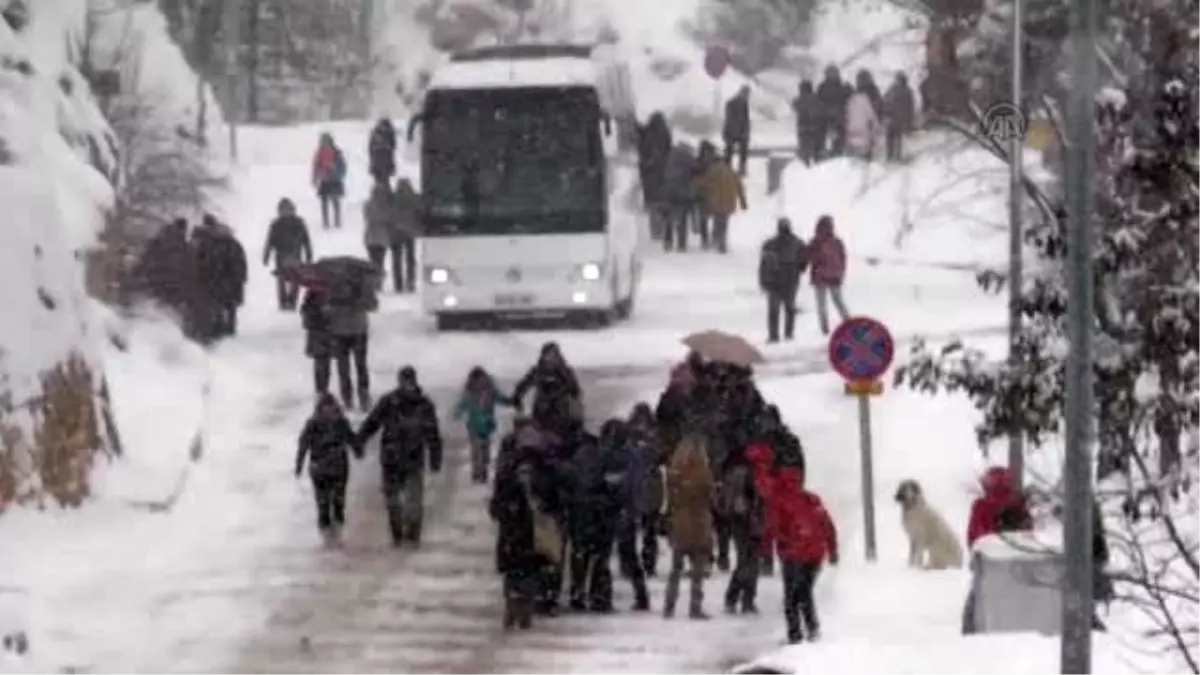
(1147, 323)
(757, 33)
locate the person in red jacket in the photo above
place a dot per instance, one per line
(803, 533)
(827, 271)
(1001, 508)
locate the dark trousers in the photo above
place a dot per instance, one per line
(675, 236)
(894, 143)
(838, 145)
(404, 494)
(739, 147)
(591, 575)
(743, 584)
(330, 494)
(520, 587)
(632, 565)
(287, 293)
(550, 576)
(227, 316)
(321, 373)
(651, 528)
(781, 303)
(720, 232)
(347, 348)
(723, 538)
(331, 204)
(811, 146)
(404, 276)
(703, 225)
(798, 604)
(378, 257)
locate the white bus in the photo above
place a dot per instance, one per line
(529, 186)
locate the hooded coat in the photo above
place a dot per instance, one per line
(220, 264)
(862, 123)
(827, 255)
(381, 149)
(409, 424)
(654, 144)
(325, 443)
(690, 493)
(798, 526)
(379, 214)
(721, 189)
(1001, 508)
(407, 220)
(899, 105)
(477, 407)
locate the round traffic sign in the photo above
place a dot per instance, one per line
(716, 60)
(861, 348)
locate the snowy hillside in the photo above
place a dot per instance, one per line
(55, 155)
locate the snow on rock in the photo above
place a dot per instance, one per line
(56, 154)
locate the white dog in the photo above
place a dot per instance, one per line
(931, 543)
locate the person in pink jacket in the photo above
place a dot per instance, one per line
(827, 256)
(862, 124)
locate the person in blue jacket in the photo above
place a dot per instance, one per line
(477, 408)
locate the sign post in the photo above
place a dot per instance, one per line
(716, 62)
(861, 350)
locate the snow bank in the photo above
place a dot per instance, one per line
(1008, 654)
(945, 207)
(56, 153)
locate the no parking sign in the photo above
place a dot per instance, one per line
(861, 350)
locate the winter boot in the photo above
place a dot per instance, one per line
(698, 614)
(668, 612)
(730, 607)
(749, 608)
(642, 603)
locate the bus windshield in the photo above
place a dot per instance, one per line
(501, 161)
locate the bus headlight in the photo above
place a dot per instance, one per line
(590, 272)
(438, 275)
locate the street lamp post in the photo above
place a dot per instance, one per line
(1016, 446)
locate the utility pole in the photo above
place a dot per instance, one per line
(1016, 445)
(1077, 604)
(233, 26)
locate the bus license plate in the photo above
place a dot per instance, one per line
(513, 300)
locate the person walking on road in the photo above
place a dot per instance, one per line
(288, 241)
(325, 444)
(318, 341)
(349, 305)
(862, 118)
(736, 129)
(833, 93)
(381, 151)
(477, 408)
(690, 489)
(783, 260)
(329, 178)
(723, 194)
(827, 254)
(410, 439)
(406, 228)
(379, 217)
(803, 533)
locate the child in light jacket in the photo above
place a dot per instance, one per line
(477, 408)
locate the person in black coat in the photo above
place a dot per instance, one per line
(288, 240)
(592, 516)
(521, 487)
(678, 196)
(647, 456)
(381, 151)
(221, 275)
(325, 443)
(736, 129)
(167, 270)
(410, 438)
(654, 144)
(810, 126)
(318, 340)
(900, 113)
(833, 94)
(781, 264)
(557, 398)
